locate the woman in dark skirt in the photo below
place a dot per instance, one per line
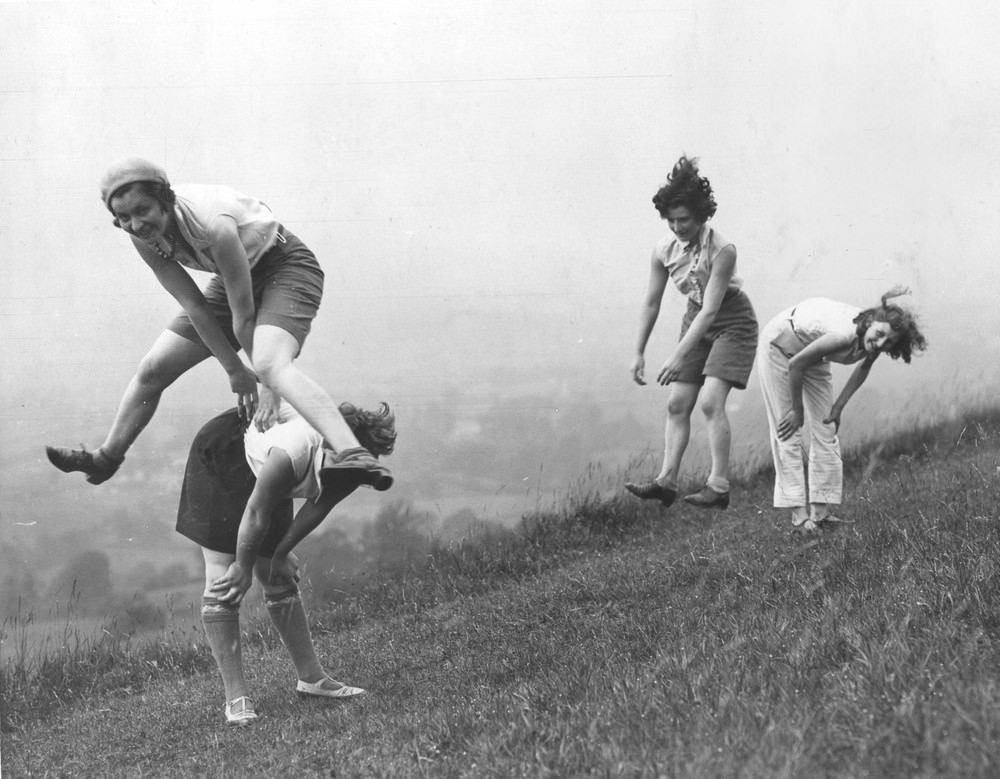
(236, 504)
(718, 334)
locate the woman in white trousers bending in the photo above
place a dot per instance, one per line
(793, 362)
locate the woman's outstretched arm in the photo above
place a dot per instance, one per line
(648, 315)
(858, 377)
(307, 519)
(274, 484)
(234, 267)
(811, 355)
(175, 280)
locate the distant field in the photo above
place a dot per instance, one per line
(609, 639)
(62, 629)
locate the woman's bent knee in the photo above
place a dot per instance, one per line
(273, 351)
(270, 365)
(170, 357)
(152, 374)
(714, 408)
(682, 400)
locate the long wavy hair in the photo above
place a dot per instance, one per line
(686, 187)
(375, 430)
(903, 322)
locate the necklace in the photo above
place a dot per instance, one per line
(171, 247)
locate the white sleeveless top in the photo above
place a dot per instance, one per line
(197, 207)
(816, 317)
(299, 440)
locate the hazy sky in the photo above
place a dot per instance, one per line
(476, 179)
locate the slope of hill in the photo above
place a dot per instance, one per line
(616, 639)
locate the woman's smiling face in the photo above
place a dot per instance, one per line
(879, 337)
(683, 223)
(140, 215)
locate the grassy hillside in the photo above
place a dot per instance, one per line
(611, 639)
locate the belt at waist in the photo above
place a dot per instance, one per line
(791, 324)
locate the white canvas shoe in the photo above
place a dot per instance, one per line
(800, 515)
(328, 688)
(240, 711)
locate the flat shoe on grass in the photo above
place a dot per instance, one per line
(240, 711)
(328, 688)
(831, 519)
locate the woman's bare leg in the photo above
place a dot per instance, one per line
(713, 404)
(274, 351)
(676, 434)
(168, 358)
(677, 431)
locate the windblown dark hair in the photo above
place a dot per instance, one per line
(903, 322)
(686, 187)
(158, 190)
(375, 430)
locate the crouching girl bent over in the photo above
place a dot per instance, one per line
(236, 504)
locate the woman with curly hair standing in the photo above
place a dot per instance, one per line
(718, 333)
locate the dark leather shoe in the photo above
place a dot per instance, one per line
(360, 461)
(98, 466)
(707, 498)
(651, 490)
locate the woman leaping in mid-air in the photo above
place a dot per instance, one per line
(263, 298)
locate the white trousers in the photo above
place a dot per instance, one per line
(791, 461)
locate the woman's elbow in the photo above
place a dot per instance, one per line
(199, 313)
(705, 317)
(649, 313)
(256, 518)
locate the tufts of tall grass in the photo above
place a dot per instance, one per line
(38, 676)
(42, 671)
(869, 650)
(730, 648)
(593, 516)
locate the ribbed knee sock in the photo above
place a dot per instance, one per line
(284, 606)
(222, 628)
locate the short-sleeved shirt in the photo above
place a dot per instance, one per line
(690, 264)
(299, 440)
(199, 205)
(817, 317)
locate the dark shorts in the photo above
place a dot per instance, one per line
(287, 290)
(728, 348)
(217, 486)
